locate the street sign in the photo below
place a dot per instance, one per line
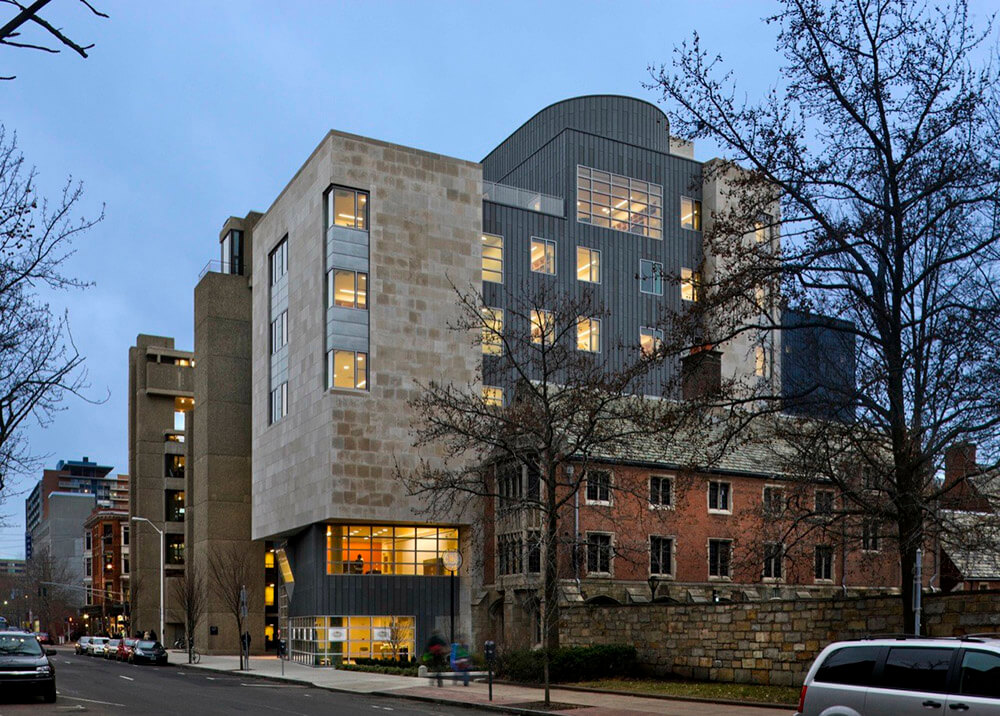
(243, 601)
(381, 633)
(337, 633)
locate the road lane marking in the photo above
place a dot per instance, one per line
(210, 678)
(276, 686)
(122, 676)
(91, 701)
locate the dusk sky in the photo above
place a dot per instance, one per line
(189, 112)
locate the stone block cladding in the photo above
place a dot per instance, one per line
(771, 642)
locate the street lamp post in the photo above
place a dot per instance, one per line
(163, 568)
(452, 561)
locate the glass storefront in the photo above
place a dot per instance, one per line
(331, 641)
(388, 549)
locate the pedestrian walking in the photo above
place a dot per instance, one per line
(461, 662)
(435, 655)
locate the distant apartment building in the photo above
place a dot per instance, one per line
(82, 476)
(12, 567)
(106, 568)
(161, 394)
(59, 537)
(323, 313)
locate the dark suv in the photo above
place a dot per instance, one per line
(905, 675)
(24, 665)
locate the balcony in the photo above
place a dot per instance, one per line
(523, 199)
(217, 266)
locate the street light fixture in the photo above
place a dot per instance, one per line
(163, 567)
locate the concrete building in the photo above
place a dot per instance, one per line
(161, 391)
(60, 536)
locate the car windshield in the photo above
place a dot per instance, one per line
(100, 640)
(147, 644)
(25, 644)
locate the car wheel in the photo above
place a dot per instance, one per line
(50, 694)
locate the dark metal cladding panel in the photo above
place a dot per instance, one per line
(552, 169)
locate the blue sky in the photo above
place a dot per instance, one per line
(189, 112)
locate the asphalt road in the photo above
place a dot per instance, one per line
(93, 685)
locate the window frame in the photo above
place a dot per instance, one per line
(590, 264)
(278, 269)
(774, 562)
(485, 246)
(589, 323)
(656, 276)
(655, 334)
(828, 550)
(328, 207)
(610, 553)
(767, 509)
(546, 245)
(729, 498)
(653, 202)
(870, 533)
(669, 478)
(690, 284)
(610, 489)
(279, 332)
(493, 396)
(331, 281)
(496, 319)
(278, 402)
(816, 505)
(672, 556)
(728, 576)
(545, 322)
(331, 356)
(696, 213)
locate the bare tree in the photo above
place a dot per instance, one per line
(880, 142)
(565, 405)
(190, 596)
(40, 363)
(231, 569)
(400, 635)
(10, 32)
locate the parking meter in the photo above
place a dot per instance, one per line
(282, 647)
(490, 652)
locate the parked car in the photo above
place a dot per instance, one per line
(904, 675)
(149, 652)
(97, 645)
(25, 665)
(43, 637)
(125, 649)
(111, 649)
(81, 644)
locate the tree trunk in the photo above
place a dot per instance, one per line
(910, 539)
(550, 588)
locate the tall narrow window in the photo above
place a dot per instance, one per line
(492, 258)
(598, 553)
(690, 284)
(760, 361)
(651, 277)
(347, 289)
(650, 340)
(661, 491)
(543, 256)
(690, 213)
(347, 208)
(719, 557)
(493, 396)
(869, 536)
(279, 332)
(347, 369)
(824, 563)
(774, 502)
(598, 487)
(588, 334)
(661, 556)
(542, 327)
(824, 502)
(492, 332)
(279, 402)
(773, 555)
(278, 261)
(718, 497)
(588, 264)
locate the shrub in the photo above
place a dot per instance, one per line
(401, 663)
(574, 663)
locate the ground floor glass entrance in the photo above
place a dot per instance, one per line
(335, 640)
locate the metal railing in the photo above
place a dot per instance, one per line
(523, 198)
(217, 266)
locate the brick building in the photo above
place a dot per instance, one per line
(106, 570)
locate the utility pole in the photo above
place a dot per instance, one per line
(918, 591)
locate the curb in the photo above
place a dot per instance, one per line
(671, 697)
(498, 708)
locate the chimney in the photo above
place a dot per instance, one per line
(959, 462)
(701, 373)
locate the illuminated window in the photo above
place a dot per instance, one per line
(762, 229)
(619, 202)
(347, 289)
(174, 500)
(181, 406)
(760, 361)
(269, 595)
(347, 369)
(588, 264)
(543, 256)
(174, 465)
(588, 334)
(651, 277)
(542, 327)
(388, 549)
(759, 297)
(493, 395)
(650, 340)
(690, 284)
(492, 332)
(348, 208)
(492, 258)
(175, 548)
(690, 214)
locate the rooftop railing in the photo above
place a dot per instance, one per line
(217, 266)
(523, 198)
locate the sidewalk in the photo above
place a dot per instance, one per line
(505, 696)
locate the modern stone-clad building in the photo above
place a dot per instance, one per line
(324, 314)
(161, 393)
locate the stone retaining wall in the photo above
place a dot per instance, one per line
(772, 642)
